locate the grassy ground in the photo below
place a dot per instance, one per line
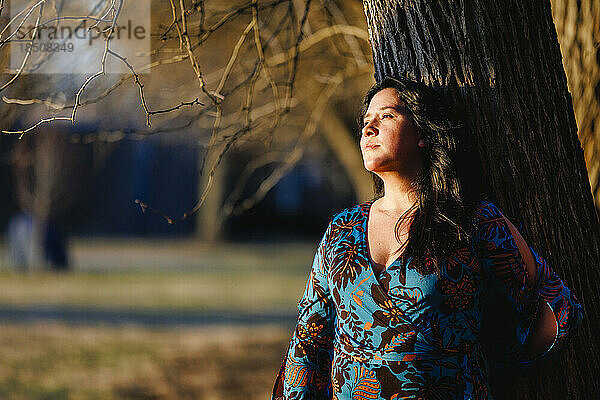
(177, 290)
(175, 275)
(58, 360)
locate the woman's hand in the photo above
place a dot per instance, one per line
(542, 334)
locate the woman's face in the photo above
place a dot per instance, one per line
(389, 138)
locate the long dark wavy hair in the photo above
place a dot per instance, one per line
(448, 188)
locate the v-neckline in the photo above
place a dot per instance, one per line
(365, 239)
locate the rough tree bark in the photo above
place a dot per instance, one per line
(578, 27)
(502, 61)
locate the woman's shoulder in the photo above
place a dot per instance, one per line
(355, 212)
(486, 210)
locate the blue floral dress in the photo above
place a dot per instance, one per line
(404, 335)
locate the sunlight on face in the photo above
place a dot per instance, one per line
(389, 138)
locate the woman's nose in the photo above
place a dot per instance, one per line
(369, 129)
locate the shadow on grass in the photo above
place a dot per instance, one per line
(154, 318)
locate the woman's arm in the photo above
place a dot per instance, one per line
(545, 328)
(547, 310)
(306, 369)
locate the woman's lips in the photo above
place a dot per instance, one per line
(371, 146)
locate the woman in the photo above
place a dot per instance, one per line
(401, 287)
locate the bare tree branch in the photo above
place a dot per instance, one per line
(249, 87)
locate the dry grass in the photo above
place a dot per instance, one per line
(177, 274)
(247, 291)
(189, 254)
(57, 361)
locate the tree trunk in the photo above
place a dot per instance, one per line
(502, 62)
(209, 220)
(578, 28)
(37, 255)
(340, 140)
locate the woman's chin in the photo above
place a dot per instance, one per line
(371, 165)
(374, 167)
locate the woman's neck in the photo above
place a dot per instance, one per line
(399, 192)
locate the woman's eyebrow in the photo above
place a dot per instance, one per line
(395, 108)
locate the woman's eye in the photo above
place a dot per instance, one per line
(386, 116)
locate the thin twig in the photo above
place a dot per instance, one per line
(102, 63)
(137, 82)
(296, 155)
(22, 132)
(29, 50)
(234, 55)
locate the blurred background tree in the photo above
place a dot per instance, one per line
(243, 60)
(577, 24)
(49, 177)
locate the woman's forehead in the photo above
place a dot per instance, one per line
(385, 98)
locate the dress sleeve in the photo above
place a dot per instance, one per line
(502, 262)
(306, 369)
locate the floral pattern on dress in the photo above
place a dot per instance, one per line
(403, 335)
